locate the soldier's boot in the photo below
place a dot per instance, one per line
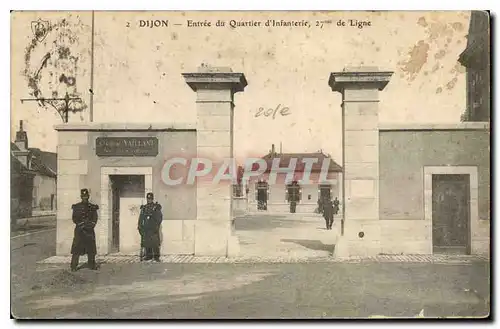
(74, 262)
(142, 254)
(148, 254)
(156, 254)
(91, 261)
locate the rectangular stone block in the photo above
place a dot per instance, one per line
(233, 246)
(64, 213)
(188, 230)
(103, 235)
(371, 229)
(361, 188)
(480, 247)
(185, 247)
(214, 95)
(72, 137)
(72, 167)
(213, 138)
(68, 152)
(480, 229)
(400, 231)
(406, 247)
(367, 153)
(362, 95)
(361, 209)
(64, 236)
(474, 193)
(215, 192)
(214, 153)
(70, 182)
(211, 238)
(213, 122)
(172, 230)
(207, 202)
(361, 170)
(361, 108)
(210, 108)
(347, 248)
(127, 170)
(67, 197)
(214, 211)
(360, 122)
(361, 137)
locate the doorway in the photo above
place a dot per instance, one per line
(127, 195)
(451, 213)
(262, 195)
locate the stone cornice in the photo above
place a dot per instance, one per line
(366, 79)
(216, 80)
(434, 126)
(101, 126)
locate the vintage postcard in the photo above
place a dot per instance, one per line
(250, 165)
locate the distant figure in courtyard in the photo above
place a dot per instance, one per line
(293, 206)
(85, 219)
(336, 207)
(150, 220)
(328, 212)
(320, 205)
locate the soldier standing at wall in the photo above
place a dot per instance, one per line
(85, 218)
(150, 220)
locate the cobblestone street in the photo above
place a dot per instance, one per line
(314, 290)
(293, 280)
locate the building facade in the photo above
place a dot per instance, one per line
(274, 194)
(33, 178)
(476, 58)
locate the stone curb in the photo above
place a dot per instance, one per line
(280, 260)
(34, 219)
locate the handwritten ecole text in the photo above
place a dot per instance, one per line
(301, 23)
(283, 111)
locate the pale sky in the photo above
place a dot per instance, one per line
(137, 71)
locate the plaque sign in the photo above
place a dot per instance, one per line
(126, 146)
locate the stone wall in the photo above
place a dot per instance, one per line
(406, 181)
(45, 187)
(401, 172)
(79, 167)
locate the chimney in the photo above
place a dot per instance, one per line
(21, 138)
(23, 155)
(281, 148)
(273, 152)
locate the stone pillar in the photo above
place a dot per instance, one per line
(72, 169)
(215, 88)
(360, 96)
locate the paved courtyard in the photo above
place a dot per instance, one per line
(293, 280)
(285, 235)
(193, 291)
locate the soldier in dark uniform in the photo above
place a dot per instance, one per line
(85, 219)
(328, 213)
(336, 206)
(150, 220)
(293, 206)
(320, 205)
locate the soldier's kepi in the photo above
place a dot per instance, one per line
(85, 219)
(149, 223)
